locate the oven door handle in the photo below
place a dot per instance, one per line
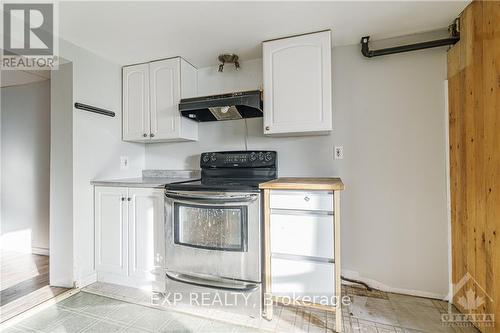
(222, 284)
(212, 198)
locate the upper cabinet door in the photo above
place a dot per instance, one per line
(297, 85)
(136, 116)
(165, 96)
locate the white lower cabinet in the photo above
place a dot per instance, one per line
(145, 214)
(111, 230)
(128, 224)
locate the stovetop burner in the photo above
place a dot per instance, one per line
(231, 171)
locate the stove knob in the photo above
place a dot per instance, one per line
(261, 156)
(269, 156)
(206, 158)
(253, 157)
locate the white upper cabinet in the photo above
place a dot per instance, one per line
(164, 81)
(297, 85)
(136, 117)
(167, 81)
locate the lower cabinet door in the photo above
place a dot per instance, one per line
(146, 218)
(309, 281)
(111, 228)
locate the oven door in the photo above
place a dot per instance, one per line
(214, 234)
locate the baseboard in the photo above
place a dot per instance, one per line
(128, 281)
(85, 281)
(40, 250)
(383, 287)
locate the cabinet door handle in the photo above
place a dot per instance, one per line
(123, 199)
(151, 135)
(145, 135)
(307, 198)
(267, 128)
(128, 199)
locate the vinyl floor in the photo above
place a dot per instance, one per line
(24, 282)
(126, 309)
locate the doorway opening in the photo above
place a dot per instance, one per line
(26, 152)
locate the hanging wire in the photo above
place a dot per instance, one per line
(246, 134)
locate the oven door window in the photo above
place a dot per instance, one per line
(222, 228)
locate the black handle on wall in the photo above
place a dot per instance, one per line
(94, 109)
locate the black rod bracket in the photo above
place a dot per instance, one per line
(365, 49)
(94, 109)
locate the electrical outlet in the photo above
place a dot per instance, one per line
(124, 162)
(339, 152)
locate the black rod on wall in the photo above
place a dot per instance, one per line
(365, 49)
(94, 109)
(453, 38)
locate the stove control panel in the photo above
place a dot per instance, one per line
(238, 159)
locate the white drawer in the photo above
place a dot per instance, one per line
(302, 200)
(293, 278)
(302, 234)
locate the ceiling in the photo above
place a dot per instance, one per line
(131, 32)
(18, 77)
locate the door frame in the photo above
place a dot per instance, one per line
(61, 235)
(448, 190)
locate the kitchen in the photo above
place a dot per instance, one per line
(380, 126)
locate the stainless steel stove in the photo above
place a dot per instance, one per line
(213, 230)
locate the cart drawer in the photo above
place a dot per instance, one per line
(302, 200)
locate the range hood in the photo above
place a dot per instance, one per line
(238, 105)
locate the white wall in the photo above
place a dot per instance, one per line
(388, 115)
(97, 145)
(25, 167)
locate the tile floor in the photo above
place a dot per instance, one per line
(371, 312)
(85, 312)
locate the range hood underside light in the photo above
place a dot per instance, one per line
(225, 112)
(223, 107)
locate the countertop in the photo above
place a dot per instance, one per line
(151, 179)
(304, 183)
(149, 182)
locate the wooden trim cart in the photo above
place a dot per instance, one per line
(302, 244)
